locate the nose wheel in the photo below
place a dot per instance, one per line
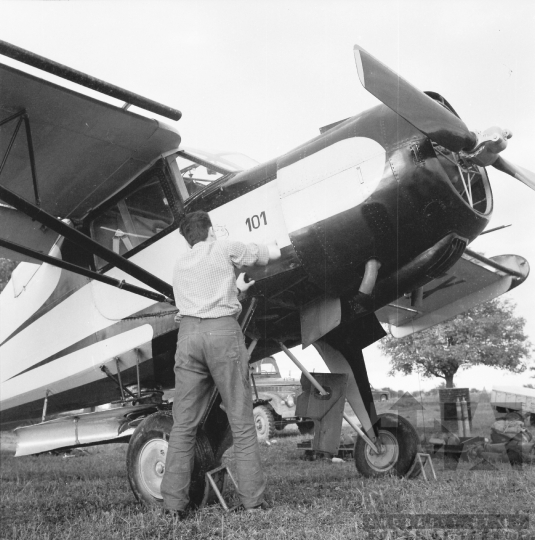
(397, 444)
(388, 454)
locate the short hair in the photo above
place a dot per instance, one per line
(195, 226)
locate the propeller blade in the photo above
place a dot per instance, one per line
(424, 113)
(525, 176)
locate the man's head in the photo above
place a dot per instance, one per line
(195, 227)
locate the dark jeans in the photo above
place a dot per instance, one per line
(211, 351)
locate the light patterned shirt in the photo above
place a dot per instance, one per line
(204, 281)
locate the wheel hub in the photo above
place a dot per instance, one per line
(388, 453)
(152, 465)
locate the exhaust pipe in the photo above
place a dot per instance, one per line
(370, 277)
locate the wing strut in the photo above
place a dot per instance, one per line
(85, 242)
(121, 284)
(22, 116)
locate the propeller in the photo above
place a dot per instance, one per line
(525, 176)
(436, 121)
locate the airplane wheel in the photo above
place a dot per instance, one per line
(399, 442)
(264, 422)
(145, 461)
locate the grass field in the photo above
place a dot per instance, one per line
(87, 496)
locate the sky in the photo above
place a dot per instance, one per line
(262, 77)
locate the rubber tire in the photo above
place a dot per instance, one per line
(306, 427)
(384, 397)
(397, 430)
(155, 430)
(264, 422)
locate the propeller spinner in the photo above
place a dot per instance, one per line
(436, 121)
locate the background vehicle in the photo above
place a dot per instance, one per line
(517, 402)
(274, 400)
(380, 395)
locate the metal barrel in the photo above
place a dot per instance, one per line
(448, 407)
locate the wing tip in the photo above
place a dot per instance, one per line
(357, 50)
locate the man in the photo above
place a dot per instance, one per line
(211, 349)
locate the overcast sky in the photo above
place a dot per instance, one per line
(261, 77)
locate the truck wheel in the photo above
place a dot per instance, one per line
(145, 461)
(399, 442)
(384, 397)
(306, 427)
(265, 423)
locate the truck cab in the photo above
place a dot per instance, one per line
(380, 395)
(274, 400)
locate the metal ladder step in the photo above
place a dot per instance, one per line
(421, 461)
(212, 484)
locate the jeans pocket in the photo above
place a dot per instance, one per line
(225, 346)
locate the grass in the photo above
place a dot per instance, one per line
(87, 497)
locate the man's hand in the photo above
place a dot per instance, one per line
(274, 251)
(242, 284)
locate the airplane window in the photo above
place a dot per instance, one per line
(132, 220)
(198, 175)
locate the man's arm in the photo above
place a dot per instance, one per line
(250, 254)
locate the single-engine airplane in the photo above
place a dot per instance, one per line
(373, 217)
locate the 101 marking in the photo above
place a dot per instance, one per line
(255, 221)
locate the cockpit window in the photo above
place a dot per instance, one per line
(132, 220)
(196, 177)
(199, 169)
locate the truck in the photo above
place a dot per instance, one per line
(380, 395)
(274, 399)
(517, 402)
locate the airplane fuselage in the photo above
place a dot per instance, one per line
(372, 187)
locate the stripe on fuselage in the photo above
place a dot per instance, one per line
(331, 181)
(74, 369)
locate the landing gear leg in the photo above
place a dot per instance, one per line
(395, 438)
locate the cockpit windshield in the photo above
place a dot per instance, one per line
(199, 168)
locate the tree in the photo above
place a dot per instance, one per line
(6, 269)
(489, 334)
(531, 385)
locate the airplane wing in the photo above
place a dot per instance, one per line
(472, 280)
(84, 151)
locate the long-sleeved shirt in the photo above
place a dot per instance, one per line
(204, 282)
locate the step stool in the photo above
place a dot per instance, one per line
(213, 485)
(422, 460)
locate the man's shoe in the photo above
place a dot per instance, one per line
(263, 507)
